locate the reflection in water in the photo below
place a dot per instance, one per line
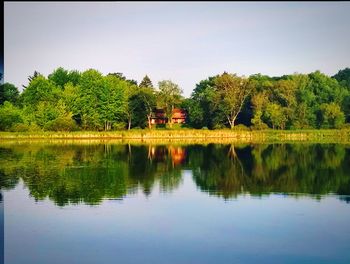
(89, 173)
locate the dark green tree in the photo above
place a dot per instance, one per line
(8, 92)
(146, 82)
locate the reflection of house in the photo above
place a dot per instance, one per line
(163, 153)
(157, 153)
(178, 155)
(159, 116)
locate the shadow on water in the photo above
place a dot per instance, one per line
(72, 174)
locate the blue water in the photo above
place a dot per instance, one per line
(183, 224)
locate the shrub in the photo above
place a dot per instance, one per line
(241, 127)
(9, 116)
(118, 126)
(20, 128)
(261, 126)
(61, 124)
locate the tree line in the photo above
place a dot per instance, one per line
(71, 100)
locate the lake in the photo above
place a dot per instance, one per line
(213, 203)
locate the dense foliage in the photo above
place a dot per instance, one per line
(72, 100)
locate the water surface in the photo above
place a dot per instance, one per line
(115, 203)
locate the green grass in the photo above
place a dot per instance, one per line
(192, 135)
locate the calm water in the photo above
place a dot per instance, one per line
(112, 203)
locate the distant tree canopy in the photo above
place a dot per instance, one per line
(71, 100)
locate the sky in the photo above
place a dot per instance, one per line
(184, 42)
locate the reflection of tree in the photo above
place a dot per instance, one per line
(221, 171)
(157, 167)
(311, 169)
(89, 173)
(74, 174)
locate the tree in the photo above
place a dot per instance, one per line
(59, 76)
(146, 82)
(40, 89)
(132, 103)
(31, 78)
(343, 77)
(9, 116)
(202, 111)
(121, 76)
(331, 116)
(149, 98)
(169, 97)
(231, 93)
(195, 114)
(275, 114)
(88, 104)
(8, 92)
(258, 102)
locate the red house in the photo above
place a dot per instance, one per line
(159, 116)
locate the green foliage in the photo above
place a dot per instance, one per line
(10, 115)
(70, 100)
(276, 116)
(146, 82)
(169, 97)
(40, 89)
(231, 92)
(61, 77)
(331, 116)
(343, 77)
(8, 92)
(62, 123)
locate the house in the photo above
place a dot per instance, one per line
(179, 116)
(159, 116)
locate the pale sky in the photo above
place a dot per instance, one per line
(181, 41)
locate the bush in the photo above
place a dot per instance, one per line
(345, 126)
(219, 126)
(118, 126)
(241, 127)
(261, 126)
(22, 127)
(61, 124)
(9, 116)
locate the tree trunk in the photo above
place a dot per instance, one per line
(149, 121)
(129, 123)
(232, 122)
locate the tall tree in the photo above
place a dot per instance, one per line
(148, 95)
(146, 82)
(169, 97)
(231, 93)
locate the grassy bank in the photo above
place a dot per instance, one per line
(188, 135)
